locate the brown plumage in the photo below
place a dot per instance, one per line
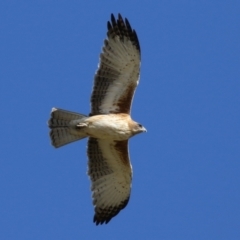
(109, 125)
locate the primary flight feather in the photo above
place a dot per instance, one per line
(109, 125)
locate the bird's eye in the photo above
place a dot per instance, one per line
(140, 125)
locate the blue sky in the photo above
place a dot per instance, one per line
(186, 168)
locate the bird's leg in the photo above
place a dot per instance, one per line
(81, 125)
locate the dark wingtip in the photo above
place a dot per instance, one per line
(113, 20)
(100, 222)
(109, 26)
(122, 28)
(101, 219)
(120, 16)
(128, 24)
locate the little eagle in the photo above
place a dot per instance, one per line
(109, 125)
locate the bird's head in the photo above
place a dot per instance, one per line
(138, 128)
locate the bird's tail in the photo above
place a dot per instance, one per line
(63, 125)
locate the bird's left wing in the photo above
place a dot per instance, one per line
(111, 174)
(118, 72)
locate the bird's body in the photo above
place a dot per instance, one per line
(109, 125)
(116, 127)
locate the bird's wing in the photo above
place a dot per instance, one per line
(117, 75)
(110, 171)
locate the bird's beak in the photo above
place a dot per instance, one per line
(144, 129)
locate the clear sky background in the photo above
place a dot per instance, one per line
(186, 182)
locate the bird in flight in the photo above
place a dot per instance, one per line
(109, 125)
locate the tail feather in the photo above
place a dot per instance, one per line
(60, 117)
(63, 127)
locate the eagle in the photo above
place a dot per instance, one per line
(109, 124)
